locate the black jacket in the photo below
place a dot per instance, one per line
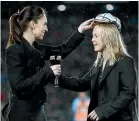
(27, 68)
(116, 89)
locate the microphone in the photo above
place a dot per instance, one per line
(55, 58)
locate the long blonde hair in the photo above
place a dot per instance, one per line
(114, 43)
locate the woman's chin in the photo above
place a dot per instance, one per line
(39, 38)
(96, 50)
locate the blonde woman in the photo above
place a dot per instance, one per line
(111, 80)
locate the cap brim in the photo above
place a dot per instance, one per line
(98, 20)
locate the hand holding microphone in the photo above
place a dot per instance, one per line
(55, 60)
(56, 69)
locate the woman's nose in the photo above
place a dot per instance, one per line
(46, 29)
(93, 40)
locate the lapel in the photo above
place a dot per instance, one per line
(27, 47)
(94, 79)
(106, 71)
(33, 53)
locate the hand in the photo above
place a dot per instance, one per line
(56, 69)
(86, 25)
(93, 116)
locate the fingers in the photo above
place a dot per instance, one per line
(97, 119)
(86, 25)
(89, 21)
(90, 114)
(56, 69)
(93, 116)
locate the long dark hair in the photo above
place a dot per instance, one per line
(18, 22)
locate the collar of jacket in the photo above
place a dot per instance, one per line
(106, 72)
(28, 47)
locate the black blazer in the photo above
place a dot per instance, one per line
(116, 89)
(27, 68)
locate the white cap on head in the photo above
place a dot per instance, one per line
(109, 18)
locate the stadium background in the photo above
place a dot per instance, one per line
(61, 23)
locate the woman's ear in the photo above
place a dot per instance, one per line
(32, 24)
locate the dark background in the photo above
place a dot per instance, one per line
(61, 24)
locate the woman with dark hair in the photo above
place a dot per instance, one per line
(112, 79)
(27, 68)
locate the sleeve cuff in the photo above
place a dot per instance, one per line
(49, 75)
(82, 34)
(62, 78)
